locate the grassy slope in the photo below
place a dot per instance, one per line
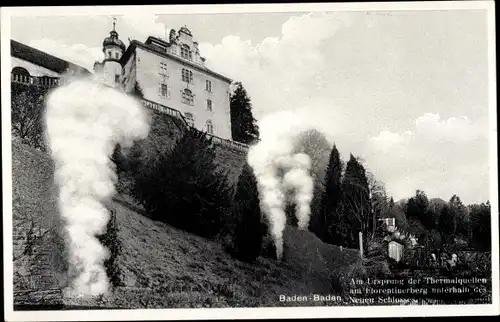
(167, 267)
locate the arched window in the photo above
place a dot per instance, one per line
(210, 127)
(187, 97)
(189, 119)
(20, 71)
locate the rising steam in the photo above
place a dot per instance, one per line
(273, 155)
(84, 122)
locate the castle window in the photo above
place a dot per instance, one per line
(186, 52)
(163, 69)
(189, 119)
(117, 55)
(187, 76)
(208, 86)
(163, 90)
(187, 97)
(117, 78)
(109, 53)
(210, 127)
(209, 105)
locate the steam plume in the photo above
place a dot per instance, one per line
(274, 154)
(84, 121)
(299, 180)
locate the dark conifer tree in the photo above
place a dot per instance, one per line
(250, 228)
(326, 224)
(185, 187)
(244, 127)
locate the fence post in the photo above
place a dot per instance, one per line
(361, 244)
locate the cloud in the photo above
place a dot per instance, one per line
(140, 26)
(78, 54)
(280, 70)
(440, 156)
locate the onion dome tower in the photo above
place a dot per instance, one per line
(113, 49)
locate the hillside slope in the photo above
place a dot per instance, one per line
(166, 267)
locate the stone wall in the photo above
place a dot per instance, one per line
(34, 218)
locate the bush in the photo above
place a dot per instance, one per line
(184, 188)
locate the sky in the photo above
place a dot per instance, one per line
(406, 91)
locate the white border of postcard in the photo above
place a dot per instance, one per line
(241, 313)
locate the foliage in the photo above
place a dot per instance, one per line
(481, 226)
(461, 223)
(379, 204)
(244, 127)
(185, 188)
(111, 241)
(446, 223)
(250, 228)
(27, 115)
(316, 146)
(327, 223)
(356, 201)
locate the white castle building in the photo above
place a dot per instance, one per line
(172, 74)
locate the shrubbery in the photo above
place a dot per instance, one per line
(185, 188)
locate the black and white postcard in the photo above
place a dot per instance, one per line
(236, 161)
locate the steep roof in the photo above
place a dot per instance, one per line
(43, 59)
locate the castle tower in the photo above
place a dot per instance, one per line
(113, 49)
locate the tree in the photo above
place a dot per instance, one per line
(418, 209)
(326, 224)
(461, 218)
(111, 241)
(446, 223)
(316, 146)
(244, 127)
(481, 226)
(185, 188)
(356, 200)
(378, 200)
(391, 203)
(250, 228)
(27, 115)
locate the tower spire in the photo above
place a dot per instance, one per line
(114, 23)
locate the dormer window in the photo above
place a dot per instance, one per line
(186, 52)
